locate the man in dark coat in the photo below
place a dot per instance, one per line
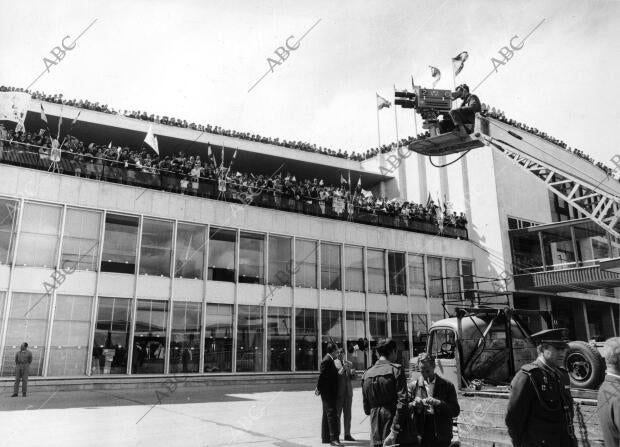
(23, 359)
(540, 408)
(608, 408)
(384, 392)
(327, 387)
(435, 403)
(465, 116)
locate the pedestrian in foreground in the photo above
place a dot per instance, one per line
(23, 359)
(608, 407)
(435, 403)
(384, 391)
(344, 400)
(540, 408)
(327, 388)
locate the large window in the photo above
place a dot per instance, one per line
(39, 235)
(252, 258)
(27, 323)
(280, 261)
(398, 276)
(330, 266)
(278, 339)
(190, 250)
(250, 338)
(376, 270)
(453, 280)
(468, 280)
(119, 244)
(305, 263)
(435, 280)
(416, 275)
(80, 242)
(400, 334)
(378, 330)
(357, 343)
(306, 355)
(8, 222)
(185, 337)
(331, 328)
(70, 333)
(149, 341)
(419, 331)
(156, 247)
(222, 254)
(218, 338)
(354, 268)
(112, 336)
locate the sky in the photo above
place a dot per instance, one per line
(197, 60)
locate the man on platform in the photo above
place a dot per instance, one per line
(540, 408)
(327, 388)
(465, 116)
(608, 408)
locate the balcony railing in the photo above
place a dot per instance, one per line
(86, 166)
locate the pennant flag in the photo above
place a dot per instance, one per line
(436, 74)
(342, 179)
(151, 140)
(458, 62)
(110, 145)
(382, 102)
(209, 151)
(359, 182)
(366, 194)
(59, 124)
(349, 176)
(43, 117)
(222, 156)
(321, 182)
(235, 154)
(75, 119)
(412, 83)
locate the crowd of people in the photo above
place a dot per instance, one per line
(191, 174)
(499, 115)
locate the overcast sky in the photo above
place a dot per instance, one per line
(197, 60)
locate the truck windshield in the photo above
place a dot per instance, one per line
(443, 344)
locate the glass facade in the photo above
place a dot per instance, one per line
(80, 242)
(40, 232)
(27, 322)
(400, 334)
(185, 337)
(419, 332)
(252, 258)
(305, 263)
(218, 338)
(222, 254)
(306, 329)
(453, 280)
(378, 330)
(357, 342)
(397, 273)
(250, 338)
(354, 268)
(156, 247)
(435, 287)
(279, 339)
(417, 284)
(375, 261)
(70, 334)
(120, 244)
(468, 280)
(330, 266)
(190, 251)
(149, 340)
(331, 328)
(111, 344)
(280, 258)
(8, 224)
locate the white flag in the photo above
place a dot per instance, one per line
(151, 139)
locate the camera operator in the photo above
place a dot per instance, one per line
(465, 115)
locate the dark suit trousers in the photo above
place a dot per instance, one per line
(330, 425)
(21, 373)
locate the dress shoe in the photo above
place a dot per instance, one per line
(336, 443)
(349, 438)
(14, 395)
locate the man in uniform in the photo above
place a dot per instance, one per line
(384, 392)
(540, 409)
(23, 359)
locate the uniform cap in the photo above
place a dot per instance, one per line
(557, 337)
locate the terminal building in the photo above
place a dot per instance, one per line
(112, 278)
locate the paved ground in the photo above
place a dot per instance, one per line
(218, 416)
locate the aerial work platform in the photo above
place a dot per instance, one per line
(446, 144)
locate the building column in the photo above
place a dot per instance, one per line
(607, 315)
(580, 317)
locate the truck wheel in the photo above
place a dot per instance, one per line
(585, 366)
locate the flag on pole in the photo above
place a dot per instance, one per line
(110, 145)
(43, 117)
(436, 74)
(359, 182)
(235, 154)
(382, 102)
(59, 124)
(75, 119)
(366, 194)
(151, 139)
(342, 179)
(458, 62)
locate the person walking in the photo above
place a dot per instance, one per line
(344, 398)
(23, 359)
(327, 388)
(435, 403)
(540, 407)
(384, 392)
(608, 408)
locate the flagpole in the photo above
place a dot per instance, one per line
(378, 129)
(396, 121)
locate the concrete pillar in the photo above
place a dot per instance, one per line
(423, 182)
(580, 317)
(607, 315)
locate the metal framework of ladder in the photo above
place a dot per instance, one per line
(595, 204)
